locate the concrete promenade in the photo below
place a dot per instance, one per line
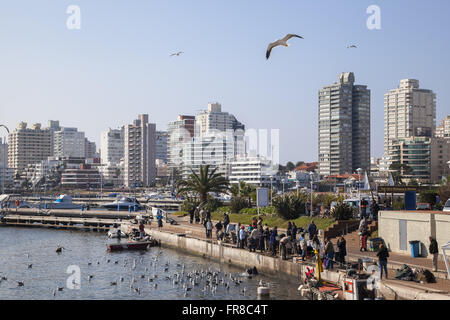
(192, 238)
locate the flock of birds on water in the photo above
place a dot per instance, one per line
(276, 43)
(139, 276)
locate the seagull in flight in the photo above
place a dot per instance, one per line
(280, 42)
(352, 46)
(176, 54)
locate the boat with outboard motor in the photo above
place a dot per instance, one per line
(124, 204)
(63, 202)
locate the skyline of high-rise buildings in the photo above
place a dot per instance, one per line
(343, 125)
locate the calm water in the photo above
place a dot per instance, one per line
(20, 247)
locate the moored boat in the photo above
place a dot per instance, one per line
(124, 204)
(135, 245)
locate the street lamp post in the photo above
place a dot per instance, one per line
(359, 170)
(283, 181)
(311, 175)
(271, 190)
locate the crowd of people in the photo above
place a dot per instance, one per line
(257, 236)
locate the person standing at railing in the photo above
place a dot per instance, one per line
(159, 218)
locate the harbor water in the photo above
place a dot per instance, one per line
(85, 270)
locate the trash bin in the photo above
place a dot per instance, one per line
(415, 246)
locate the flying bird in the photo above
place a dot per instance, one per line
(351, 46)
(176, 54)
(281, 42)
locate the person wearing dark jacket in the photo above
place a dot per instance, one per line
(312, 230)
(218, 229)
(342, 249)
(289, 229)
(226, 221)
(273, 241)
(191, 215)
(434, 250)
(374, 208)
(382, 255)
(294, 231)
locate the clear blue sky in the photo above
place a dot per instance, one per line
(118, 64)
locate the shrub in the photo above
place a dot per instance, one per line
(289, 206)
(189, 203)
(398, 205)
(212, 204)
(342, 211)
(428, 196)
(238, 203)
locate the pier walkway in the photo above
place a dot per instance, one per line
(442, 284)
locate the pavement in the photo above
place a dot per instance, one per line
(442, 284)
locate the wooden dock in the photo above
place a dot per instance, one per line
(93, 224)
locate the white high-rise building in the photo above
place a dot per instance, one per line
(28, 146)
(214, 119)
(344, 127)
(140, 152)
(443, 130)
(216, 151)
(179, 132)
(408, 112)
(69, 142)
(112, 145)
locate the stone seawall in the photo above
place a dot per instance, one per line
(275, 266)
(239, 257)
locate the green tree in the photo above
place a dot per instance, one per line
(399, 170)
(299, 163)
(206, 181)
(290, 166)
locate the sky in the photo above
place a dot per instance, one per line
(118, 64)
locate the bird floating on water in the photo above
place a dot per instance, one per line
(280, 42)
(351, 46)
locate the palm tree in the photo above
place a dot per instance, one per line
(203, 183)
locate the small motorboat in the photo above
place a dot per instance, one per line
(132, 245)
(63, 202)
(124, 204)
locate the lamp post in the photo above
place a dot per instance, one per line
(359, 170)
(283, 181)
(271, 188)
(311, 175)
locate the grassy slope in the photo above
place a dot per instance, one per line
(271, 221)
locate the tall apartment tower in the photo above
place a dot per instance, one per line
(112, 145)
(69, 142)
(28, 146)
(344, 126)
(178, 132)
(161, 145)
(140, 152)
(408, 112)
